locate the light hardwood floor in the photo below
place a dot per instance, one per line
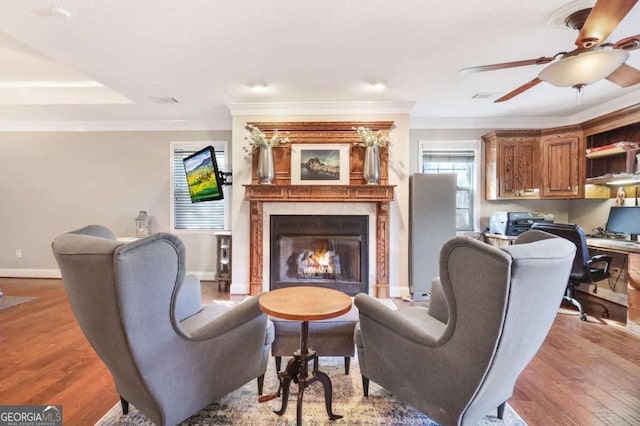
(586, 373)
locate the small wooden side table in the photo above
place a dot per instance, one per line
(223, 259)
(304, 304)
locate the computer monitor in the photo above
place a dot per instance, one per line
(624, 220)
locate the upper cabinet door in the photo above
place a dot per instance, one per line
(512, 165)
(562, 156)
(519, 168)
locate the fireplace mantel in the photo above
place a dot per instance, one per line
(357, 191)
(329, 193)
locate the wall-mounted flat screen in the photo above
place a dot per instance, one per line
(203, 177)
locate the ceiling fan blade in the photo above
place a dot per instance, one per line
(519, 90)
(625, 76)
(628, 43)
(603, 19)
(538, 61)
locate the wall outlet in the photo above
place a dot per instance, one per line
(19, 253)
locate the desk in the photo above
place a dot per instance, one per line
(304, 304)
(632, 251)
(498, 240)
(628, 249)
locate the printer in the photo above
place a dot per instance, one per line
(515, 223)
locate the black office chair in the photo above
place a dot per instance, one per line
(586, 269)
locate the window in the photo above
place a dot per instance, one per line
(186, 215)
(462, 162)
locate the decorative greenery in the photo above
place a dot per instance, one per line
(258, 139)
(371, 138)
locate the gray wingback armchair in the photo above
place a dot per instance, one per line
(169, 355)
(489, 312)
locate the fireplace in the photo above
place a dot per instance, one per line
(374, 262)
(330, 251)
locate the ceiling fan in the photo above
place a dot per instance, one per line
(592, 60)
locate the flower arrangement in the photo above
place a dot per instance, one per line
(258, 139)
(371, 138)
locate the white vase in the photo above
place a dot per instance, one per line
(371, 172)
(266, 167)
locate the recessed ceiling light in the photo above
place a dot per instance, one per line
(60, 12)
(379, 85)
(259, 87)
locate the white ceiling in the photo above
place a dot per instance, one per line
(109, 60)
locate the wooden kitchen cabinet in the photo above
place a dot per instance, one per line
(512, 164)
(552, 163)
(562, 156)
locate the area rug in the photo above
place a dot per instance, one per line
(241, 407)
(9, 301)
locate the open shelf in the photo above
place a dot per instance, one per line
(612, 163)
(611, 149)
(625, 178)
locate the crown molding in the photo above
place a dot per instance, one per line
(630, 99)
(113, 126)
(416, 123)
(323, 108)
(320, 108)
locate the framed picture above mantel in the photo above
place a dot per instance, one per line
(320, 164)
(337, 137)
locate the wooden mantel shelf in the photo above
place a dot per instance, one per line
(324, 193)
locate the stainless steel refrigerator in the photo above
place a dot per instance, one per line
(432, 222)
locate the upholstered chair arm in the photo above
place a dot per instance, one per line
(189, 298)
(438, 307)
(418, 327)
(213, 321)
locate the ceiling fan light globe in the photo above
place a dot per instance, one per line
(584, 68)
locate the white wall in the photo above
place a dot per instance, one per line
(53, 182)
(398, 175)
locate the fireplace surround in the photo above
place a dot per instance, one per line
(356, 191)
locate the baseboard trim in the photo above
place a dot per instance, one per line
(238, 288)
(30, 273)
(55, 273)
(399, 292)
(203, 275)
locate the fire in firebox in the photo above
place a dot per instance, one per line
(313, 259)
(323, 264)
(329, 251)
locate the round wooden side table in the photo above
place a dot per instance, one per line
(304, 304)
